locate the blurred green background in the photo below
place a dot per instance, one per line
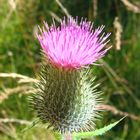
(20, 54)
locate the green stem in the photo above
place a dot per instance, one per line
(67, 137)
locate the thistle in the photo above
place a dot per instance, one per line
(66, 97)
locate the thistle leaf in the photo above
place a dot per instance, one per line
(97, 132)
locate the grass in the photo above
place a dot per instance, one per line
(19, 53)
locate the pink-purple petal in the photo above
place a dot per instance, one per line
(73, 45)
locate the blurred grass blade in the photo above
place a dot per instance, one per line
(36, 121)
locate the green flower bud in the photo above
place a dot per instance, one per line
(66, 99)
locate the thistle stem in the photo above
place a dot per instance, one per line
(67, 137)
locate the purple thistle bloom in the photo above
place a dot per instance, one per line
(73, 45)
(67, 100)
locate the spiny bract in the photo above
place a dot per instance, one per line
(66, 99)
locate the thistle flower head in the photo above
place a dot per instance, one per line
(67, 99)
(73, 45)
